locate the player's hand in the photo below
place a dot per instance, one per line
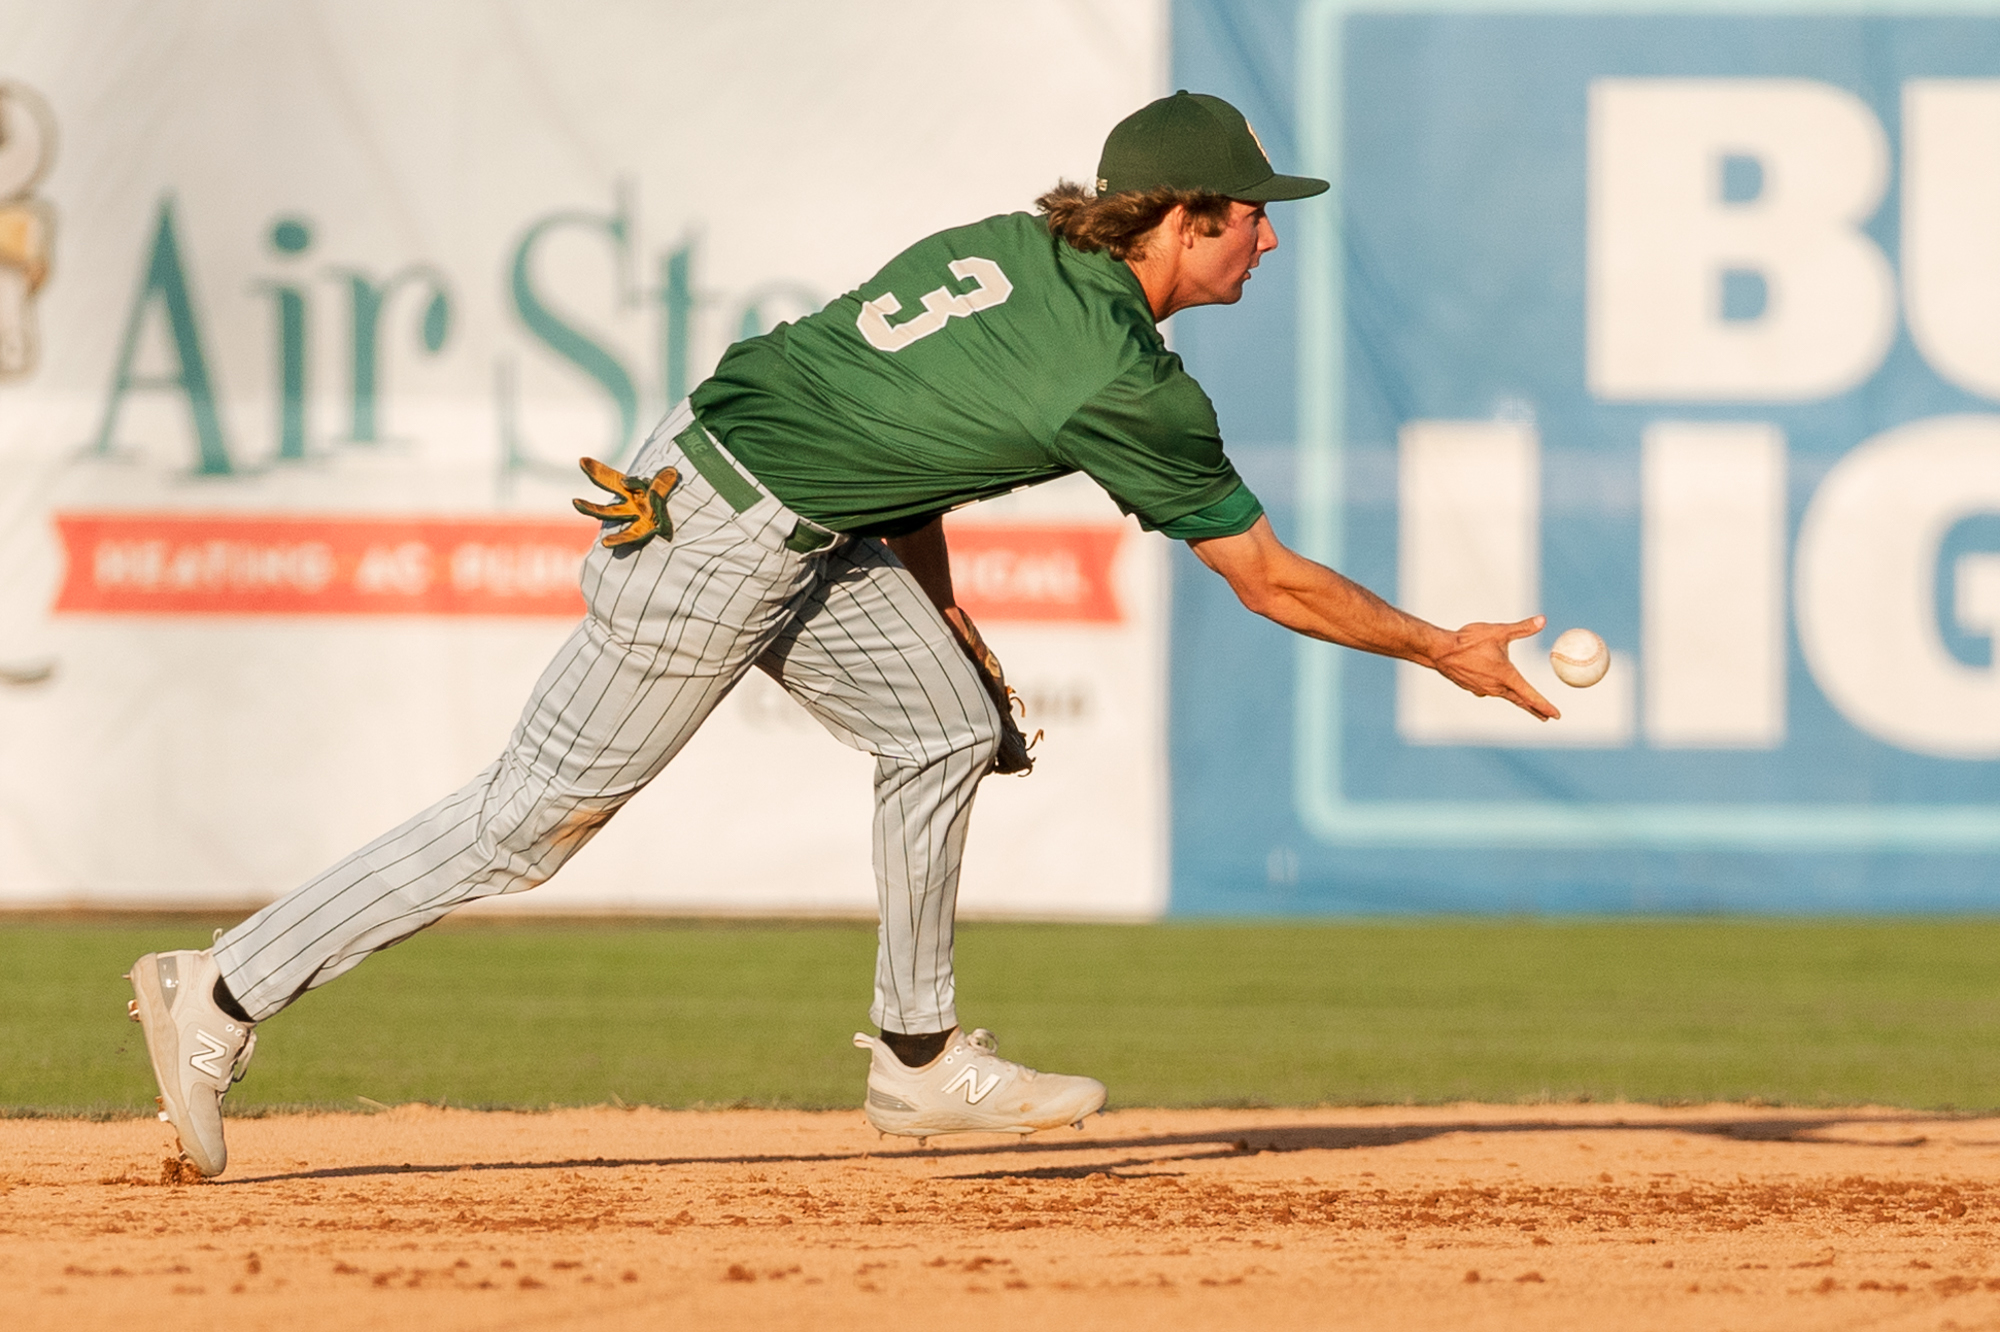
(1476, 660)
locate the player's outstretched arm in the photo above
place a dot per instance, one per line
(1280, 584)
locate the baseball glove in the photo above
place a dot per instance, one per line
(641, 503)
(1013, 759)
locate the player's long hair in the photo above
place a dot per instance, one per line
(1120, 223)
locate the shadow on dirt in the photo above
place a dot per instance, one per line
(1165, 1149)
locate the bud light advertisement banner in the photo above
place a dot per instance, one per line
(307, 313)
(1681, 327)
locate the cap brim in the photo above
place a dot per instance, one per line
(1280, 188)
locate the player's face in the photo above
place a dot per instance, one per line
(1216, 267)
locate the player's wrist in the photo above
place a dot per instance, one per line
(1432, 646)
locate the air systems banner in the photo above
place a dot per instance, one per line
(306, 313)
(1681, 326)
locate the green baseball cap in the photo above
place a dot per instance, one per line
(1192, 141)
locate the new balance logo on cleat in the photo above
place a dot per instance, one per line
(975, 1092)
(960, 1092)
(210, 1058)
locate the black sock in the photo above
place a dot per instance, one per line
(916, 1051)
(226, 1001)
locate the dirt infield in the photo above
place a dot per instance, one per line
(1463, 1217)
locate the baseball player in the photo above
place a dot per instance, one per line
(787, 517)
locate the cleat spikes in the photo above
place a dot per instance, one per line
(132, 1009)
(164, 1119)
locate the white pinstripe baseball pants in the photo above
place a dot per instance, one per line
(672, 626)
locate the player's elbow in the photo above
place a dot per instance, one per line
(1253, 587)
(1244, 562)
(1259, 596)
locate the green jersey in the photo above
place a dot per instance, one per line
(980, 360)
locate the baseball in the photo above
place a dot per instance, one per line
(1580, 658)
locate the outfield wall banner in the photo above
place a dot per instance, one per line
(1678, 325)
(306, 313)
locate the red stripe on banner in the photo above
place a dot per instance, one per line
(218, 564)
(181, 564)
(1035, 572)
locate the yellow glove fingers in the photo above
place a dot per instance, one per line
(642, 503)
(605, 513)
(663, 483)
(630, 536)
(606, 477)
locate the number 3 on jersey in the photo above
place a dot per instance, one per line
(939, 305)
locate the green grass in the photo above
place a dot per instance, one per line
(682, 1013)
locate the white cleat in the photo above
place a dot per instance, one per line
(197, 1049)
(971, 1089)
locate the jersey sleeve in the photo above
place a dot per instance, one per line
(1232, 515)
(1150, 438)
